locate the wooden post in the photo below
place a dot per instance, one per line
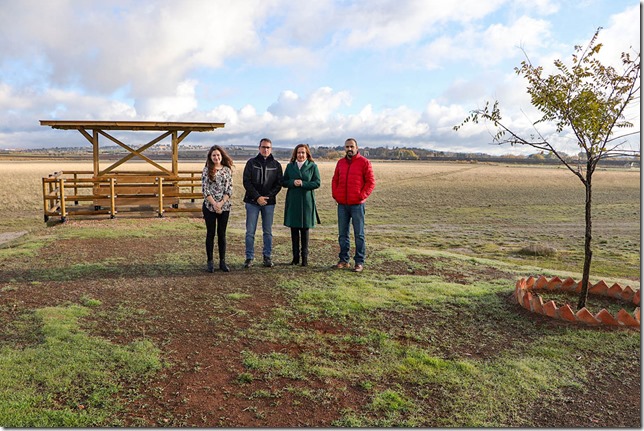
(192, 184)
(44, 199)
(61, 190)
(160, 181)
(95, 153)
(52, 189)
(112, 198)
(175, 154)
(75, 186)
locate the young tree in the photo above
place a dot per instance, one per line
(588, 100)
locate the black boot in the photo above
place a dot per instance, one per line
(211, 266)
(305, 247)
(223, 266)
(295, 243)
(222, 257)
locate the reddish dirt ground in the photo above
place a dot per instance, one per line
(201, 386)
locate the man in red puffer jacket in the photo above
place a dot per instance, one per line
(352, 183)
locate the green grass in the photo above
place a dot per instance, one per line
(23, 247)
(476, 393)
(274, 365)
(65, 378)
(237, 296)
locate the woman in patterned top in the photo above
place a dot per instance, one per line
(217, 188)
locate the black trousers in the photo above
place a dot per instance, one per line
(215, 224)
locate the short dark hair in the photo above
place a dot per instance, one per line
(265, 140)
(351, 139)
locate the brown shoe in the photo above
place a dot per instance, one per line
(341, 265)
(358, 268)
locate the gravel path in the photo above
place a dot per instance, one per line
(10, 236)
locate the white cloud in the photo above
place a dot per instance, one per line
(399, 123)
(226, 114)
(387, 24)
(622, 35)
(319, 106)
(169, 107)
(10, 101)
(312, 119)
(487, 47)
(79, 106)
(543, 7)
(149, 46)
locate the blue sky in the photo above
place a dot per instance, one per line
(387, 72)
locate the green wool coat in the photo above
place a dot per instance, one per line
(300, 210)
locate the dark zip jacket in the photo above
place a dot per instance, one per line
(262, 177)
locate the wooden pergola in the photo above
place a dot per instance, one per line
(91, 130)
(110, 191)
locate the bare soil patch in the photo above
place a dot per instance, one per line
(427, 265)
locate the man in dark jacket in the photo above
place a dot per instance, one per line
(352, 183)
(262, 181)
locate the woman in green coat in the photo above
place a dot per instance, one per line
(301, 178)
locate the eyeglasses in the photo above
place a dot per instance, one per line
(264, 147)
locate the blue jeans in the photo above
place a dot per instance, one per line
(351, 214)
(252, 215)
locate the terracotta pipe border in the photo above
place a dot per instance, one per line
(525, 289)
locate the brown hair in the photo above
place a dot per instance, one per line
(225, 160)
(309, 157)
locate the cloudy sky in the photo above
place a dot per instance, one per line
(387, 72)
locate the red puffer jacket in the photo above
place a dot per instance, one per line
(353, 180)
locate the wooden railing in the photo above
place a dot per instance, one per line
(79, 193)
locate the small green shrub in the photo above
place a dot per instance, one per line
(244, 378)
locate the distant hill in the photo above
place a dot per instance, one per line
(195, 152)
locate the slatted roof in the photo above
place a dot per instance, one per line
(177, 131)
(132, 125)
